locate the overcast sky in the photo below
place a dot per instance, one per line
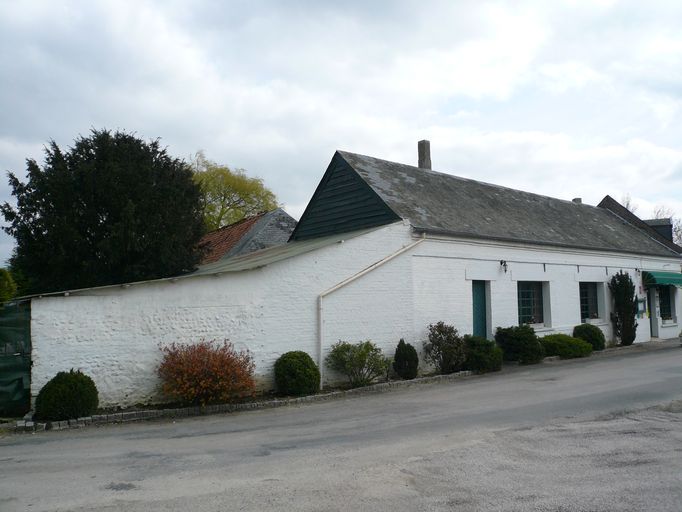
(568, 99)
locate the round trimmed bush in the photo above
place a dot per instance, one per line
(565, 346)
(69, 395)
(519, 343)
(591, 334)
(531, 352)
(482, 355)
(297, 374)
(405, 361)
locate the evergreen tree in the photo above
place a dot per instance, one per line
(111, 209)
(624, 308)
(406, 360)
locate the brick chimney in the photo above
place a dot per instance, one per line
(424, 150)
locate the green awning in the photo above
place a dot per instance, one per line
(651, 278)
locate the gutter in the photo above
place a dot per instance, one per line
(455, 234)
(321, 296)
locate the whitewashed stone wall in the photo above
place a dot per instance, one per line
(113, 333)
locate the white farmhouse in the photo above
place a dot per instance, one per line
(382, 250)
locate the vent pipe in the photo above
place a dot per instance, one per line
(578, 200)
(424, 150)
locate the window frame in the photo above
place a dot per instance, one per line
(591, 297)
(536, 293)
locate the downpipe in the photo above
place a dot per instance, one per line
(321, 296)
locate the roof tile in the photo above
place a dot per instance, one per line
(219, 242)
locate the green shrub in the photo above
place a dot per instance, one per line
(69, 395)
(361, 362)
(552, 344)
(519, 343)
(296, 374)
(591, 334)
(482, 355)
(444, 348)
(624, 308)
(565, 346)
(405, 361)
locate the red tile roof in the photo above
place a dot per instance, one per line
(219, 242)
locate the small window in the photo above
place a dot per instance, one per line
(665, 300)
(589, 305)
(530, 302)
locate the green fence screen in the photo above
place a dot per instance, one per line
(15, 358)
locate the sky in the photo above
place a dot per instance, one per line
(562, 98)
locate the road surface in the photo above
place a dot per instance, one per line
(570, 436)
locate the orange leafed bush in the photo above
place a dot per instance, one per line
(206, 372)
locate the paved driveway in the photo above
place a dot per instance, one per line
(569, 436)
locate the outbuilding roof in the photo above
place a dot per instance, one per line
(274, 254)
(441, 203)
(260, 231)
(219, 242)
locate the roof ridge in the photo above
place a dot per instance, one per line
(471, 180)
(237, 223)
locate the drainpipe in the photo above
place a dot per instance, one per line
(321, 296)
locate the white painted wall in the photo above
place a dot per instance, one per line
(113, 333)
(444, 268)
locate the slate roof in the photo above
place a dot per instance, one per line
(260, 231)
(442, 203)
(658, 222)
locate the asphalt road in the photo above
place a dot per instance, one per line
(571, 436)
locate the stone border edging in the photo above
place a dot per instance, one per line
(124, 417)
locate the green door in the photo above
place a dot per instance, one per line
(479, 307)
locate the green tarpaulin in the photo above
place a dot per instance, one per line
(15, 359)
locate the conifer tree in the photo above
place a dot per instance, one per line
(111, 209)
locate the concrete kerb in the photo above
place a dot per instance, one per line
(382, 387)
(613, 351)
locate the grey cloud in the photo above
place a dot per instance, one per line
(276, 87)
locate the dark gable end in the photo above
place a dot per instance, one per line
(342, 202)
(663, 227)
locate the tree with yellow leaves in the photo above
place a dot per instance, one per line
(229, 195)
